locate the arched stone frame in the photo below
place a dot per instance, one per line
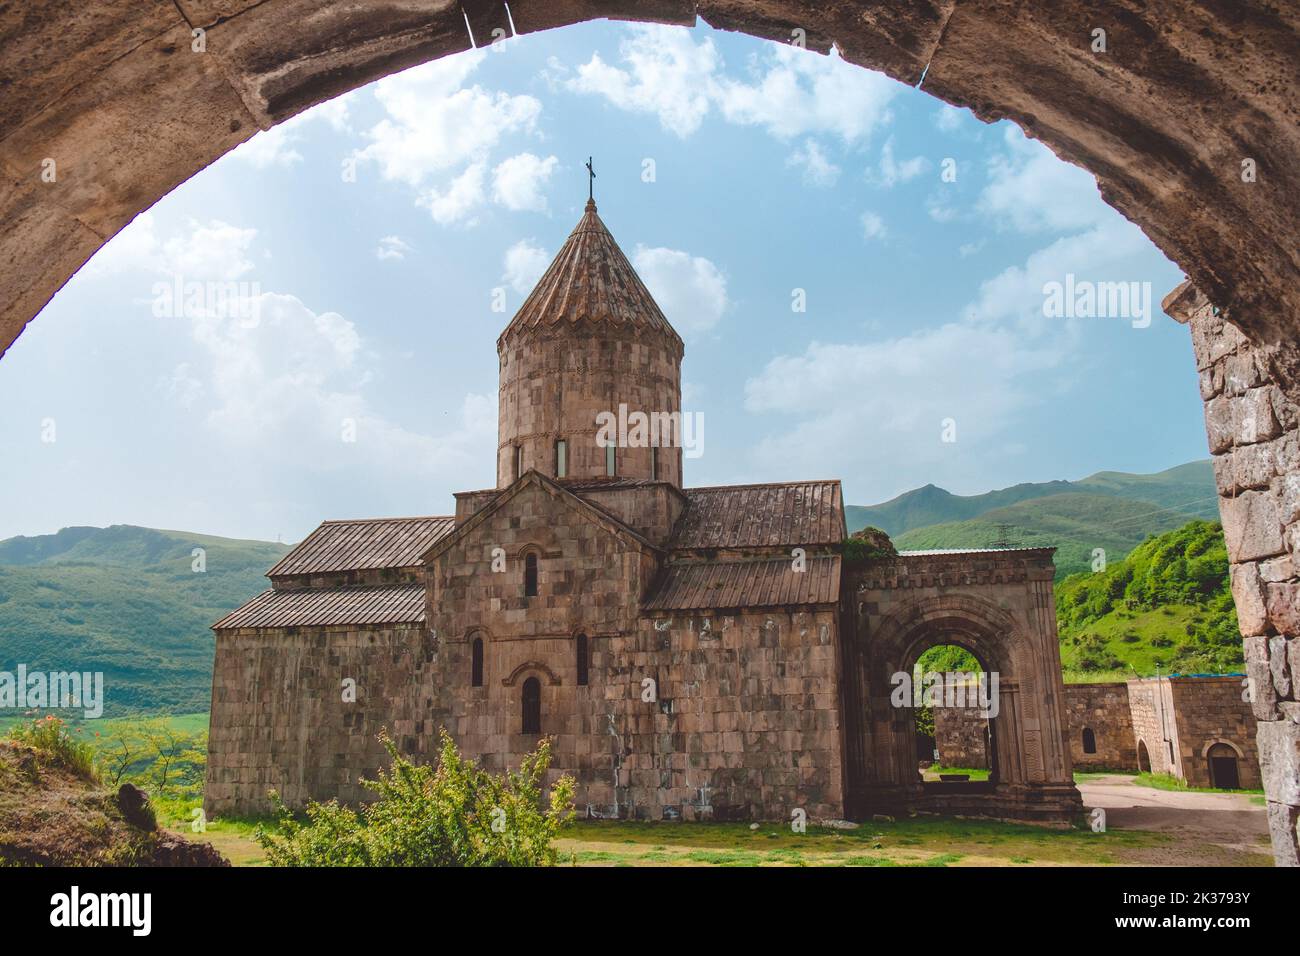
(536, 668)
(1211, 776)
(522, 555)
(1161, 122)
(1205, 750)
(1029, 750)
(1143, 750)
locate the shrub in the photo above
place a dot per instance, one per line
(50, 736)
(454, 815)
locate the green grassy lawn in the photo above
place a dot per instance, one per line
(185, 723)
(1164, 781)
(975, 773)
(921, 841)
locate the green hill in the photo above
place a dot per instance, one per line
(1167, 603)
(1187, 490)
(125, 601)
(1075, 524)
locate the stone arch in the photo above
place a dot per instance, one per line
(1205, 750)
(986, 630)
(1028, 751)
(1162, 120)
(1143, 757)
(531, 667)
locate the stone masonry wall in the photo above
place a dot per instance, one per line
(1254, 436)
(747, 722)
(959, 736)
(1154, 727)
(1213, 710)
(741, 718)
(1103, 709)
(280, 721)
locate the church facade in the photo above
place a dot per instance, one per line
(692, 653)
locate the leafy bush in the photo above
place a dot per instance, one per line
(454, 815)
(50, 736)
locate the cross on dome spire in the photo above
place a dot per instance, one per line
(591, 182)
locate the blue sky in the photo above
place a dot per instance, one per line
(375, 233)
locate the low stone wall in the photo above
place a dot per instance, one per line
(1104, 710)
(960, 736)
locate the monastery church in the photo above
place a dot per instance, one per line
(693, 653)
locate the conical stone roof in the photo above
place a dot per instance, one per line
(589, 281)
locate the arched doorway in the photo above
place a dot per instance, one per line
(953, 727)
(1144, 758)
(1224, 772)
(1016, 691)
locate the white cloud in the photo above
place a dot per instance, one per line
(270, 147)
(182, 388)
(818, 170)
(392, 247)
(666, 73)
(525, 262)
(1033, 191)
(434, 124)
(461, 197)
(873, 227)
(275, 146)
(1015, 295)
(892, 172)
(849, 400)
(213, 250)
(949, 118)
(691, 290)
(517, 182)
(803, 92)
(792, 93)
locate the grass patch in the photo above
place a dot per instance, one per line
(1164, 781)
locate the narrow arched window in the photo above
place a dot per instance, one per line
(654, 462)
(519, 461)
(530, 575)
(476, 663)
(532, 706)
(1089, 741)
(561, 458)
(580, 648)
(611, 460)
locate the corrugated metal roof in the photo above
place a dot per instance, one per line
(736, 584)
(364, 545)
(318, 607)
(590, 280)
(740, 516)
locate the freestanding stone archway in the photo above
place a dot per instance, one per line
(108, 106)
(996, 605)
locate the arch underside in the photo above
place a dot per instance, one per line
(114, 92)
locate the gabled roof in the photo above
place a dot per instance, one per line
(589, 280)
(533, 478)
(743, 516)
(319, 607)
(717, 585)
(364, 545)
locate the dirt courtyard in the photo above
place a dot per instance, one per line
(1234, 822)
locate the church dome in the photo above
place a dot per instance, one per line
(589, 342)
(589, 282)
